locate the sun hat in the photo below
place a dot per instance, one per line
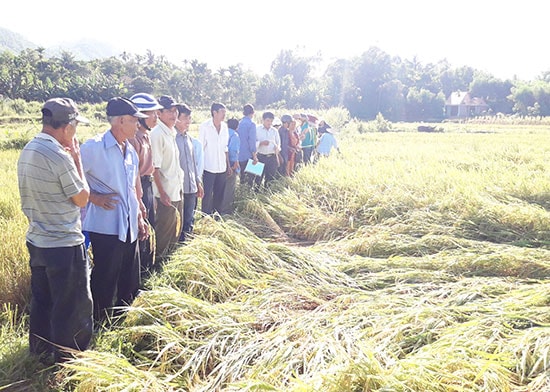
(145, 102)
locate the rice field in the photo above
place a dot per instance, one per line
(412, 262)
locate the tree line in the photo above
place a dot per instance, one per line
(372, 83)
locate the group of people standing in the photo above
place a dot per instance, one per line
(141, 177)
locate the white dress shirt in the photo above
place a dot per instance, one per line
(214, 145)
(272, 136)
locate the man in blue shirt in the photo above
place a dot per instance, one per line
(247, 137)
(233, 150)
(113, 216)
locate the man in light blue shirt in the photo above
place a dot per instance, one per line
(233, 147)
(326, 143)
(247, 137)
(113, 216)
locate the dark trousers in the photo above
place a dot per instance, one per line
(270, 168)
(189, 206)
(115, 275)
(214, 188)
(61, 303)
(148, 198)
(229, 193)
(307, 151)
(146, 247)
(245, 178)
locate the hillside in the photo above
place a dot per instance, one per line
(84, 49)
(15, 42)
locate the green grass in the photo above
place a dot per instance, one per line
(413, 262)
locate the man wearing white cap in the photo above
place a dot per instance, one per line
(148, 105)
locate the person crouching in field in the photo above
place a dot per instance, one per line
(326, 143)
(53, 190)
(113, 216)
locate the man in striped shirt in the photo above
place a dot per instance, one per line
(53, 189)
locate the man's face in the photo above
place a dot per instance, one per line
(70, 132)
(129, 126)
(169, 116)
(267, 122)
(184, 120)
(219, 115)
(152, 118)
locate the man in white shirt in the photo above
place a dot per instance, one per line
(214, 136)
(268, 144)
(168, 177)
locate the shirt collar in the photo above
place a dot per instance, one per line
(165, 129)
(45, 136)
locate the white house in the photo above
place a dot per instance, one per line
(461, 104)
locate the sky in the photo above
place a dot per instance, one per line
(506, 39)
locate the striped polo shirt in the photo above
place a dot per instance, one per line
(48, 178)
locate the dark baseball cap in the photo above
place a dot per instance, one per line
(119, 106)
(167, 102)
(62, 110)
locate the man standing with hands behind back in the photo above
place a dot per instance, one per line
(53, 189)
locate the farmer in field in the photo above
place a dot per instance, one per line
(148, 105)
(308, 136)
(326, 143)
(268, 144)
(113, 216)
(247, 149)
(284, 135)
(53, 190)
(294, 148)
(192, 181)
(168, 176)
(214, 136)
(233, 147)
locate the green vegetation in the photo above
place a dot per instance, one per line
(412, 262)
(375, 82)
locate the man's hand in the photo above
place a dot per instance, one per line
(200, 191)
(143, 229)
(264, 143)
(165, 199)
(107, 201)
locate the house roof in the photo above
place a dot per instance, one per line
(463, 98)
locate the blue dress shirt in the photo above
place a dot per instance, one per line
(108, 171)
(247, 136)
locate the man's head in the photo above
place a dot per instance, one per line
(148, 105)
(58, 112)
(218, 112)
(169, 112)
(248, 109)
(184, 117)
(233, 124)
(286, 119)
(60, 117)
(267, 119)
(123, 116)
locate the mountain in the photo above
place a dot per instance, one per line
(84, 49)
(15, 42)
